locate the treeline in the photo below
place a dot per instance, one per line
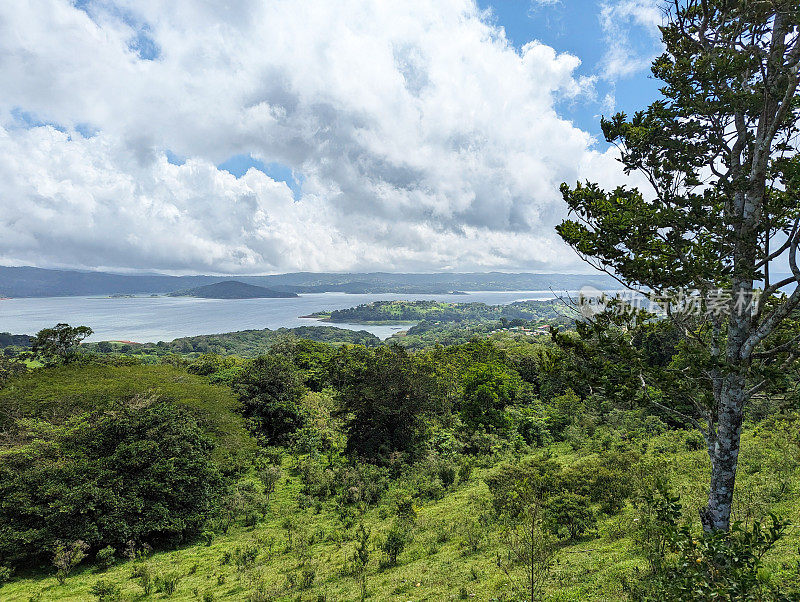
(244, 343)
(412, 311)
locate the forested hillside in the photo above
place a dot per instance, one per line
(316, 472)
(439, 311)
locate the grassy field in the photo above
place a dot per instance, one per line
(456, 546)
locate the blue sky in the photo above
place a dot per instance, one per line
(578, 27)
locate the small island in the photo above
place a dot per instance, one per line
(231, 289)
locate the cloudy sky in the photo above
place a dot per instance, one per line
(263, 136)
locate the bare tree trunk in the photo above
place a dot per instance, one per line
(725, 454)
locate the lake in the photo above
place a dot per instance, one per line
(151, 319)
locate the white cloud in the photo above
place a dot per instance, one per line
(632, 36)
(424, 140)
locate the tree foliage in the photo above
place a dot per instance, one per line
(270, 390)
(722, 213)
(141, 473)
(58, 344)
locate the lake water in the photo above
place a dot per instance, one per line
(152, 319)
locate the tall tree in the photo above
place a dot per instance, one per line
(58, 344)
(719, 149)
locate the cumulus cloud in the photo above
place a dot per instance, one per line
(632, 36)
(422, 138)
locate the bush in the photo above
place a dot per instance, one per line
(142, 473)
(515, 486)
(395, 543)
(67, 556)
(209, 363)
(168, 582)
(144, 574)
(106, 591)
(568, 514)
(105, 557)
(710, 566)
(531, 426)
(604, 479)
(561, 411)
(363, 483)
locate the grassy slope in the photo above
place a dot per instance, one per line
(436, 565)
(65, 390)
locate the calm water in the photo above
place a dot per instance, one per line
(152, 319)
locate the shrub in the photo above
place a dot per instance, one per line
(207, 537)
(604, 480)
(515, 486)
(244, 558)
(106, 591)
(363, 483)
(269, 476)
(144, 574)
(405, 509)
(714, 565)
(105, 557)
(209, 363)
(568, 514)
(395, 543)
(5, 573)
(561, 411)
(168, 582)
(653, 425)
(142, 473)
(531, 426)
(67, 556)
(694, 441)
(307, 577)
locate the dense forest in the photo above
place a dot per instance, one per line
(439, 311)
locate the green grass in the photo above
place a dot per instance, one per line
(437, 565)
(59, 392)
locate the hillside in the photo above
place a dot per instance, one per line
(424, 465)
(390, 312)
(39, 282)
(231, 289)
(302, 550)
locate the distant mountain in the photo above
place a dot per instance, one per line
(37, 282)
(231, 289)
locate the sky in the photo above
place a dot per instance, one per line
(269, 136)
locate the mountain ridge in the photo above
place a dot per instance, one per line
(43, 282)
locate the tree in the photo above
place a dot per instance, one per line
(131, 472)
(10, 368)
(58, 344)
(530, 546)
(361, 556)
(271, 391)
(719, 152)
(488, 389)
(386, 397)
